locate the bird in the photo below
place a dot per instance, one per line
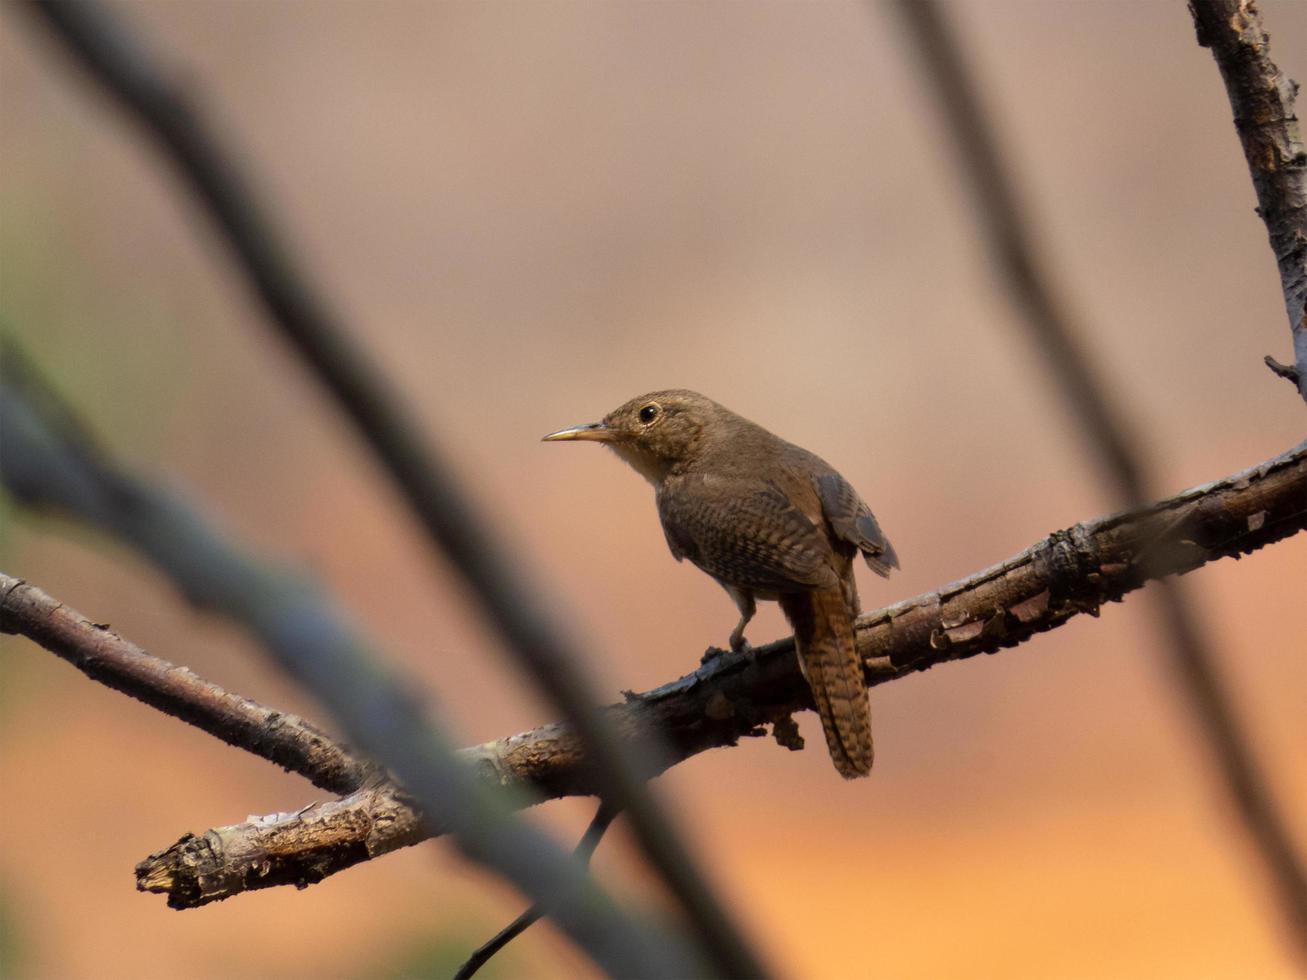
(768, 520)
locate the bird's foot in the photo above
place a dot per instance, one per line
(740, 645)
(711, 654)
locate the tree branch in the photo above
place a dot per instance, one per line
(1262, 98)
(1068, 573)
(1053, 332)
(732, 696)
(104, 656)
(299, 848)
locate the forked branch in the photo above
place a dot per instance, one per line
(1262, 98)
(732, 696)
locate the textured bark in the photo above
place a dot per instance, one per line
(1262, 98)
(299, 848)
(731, 696)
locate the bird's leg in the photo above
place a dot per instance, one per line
(744, 601)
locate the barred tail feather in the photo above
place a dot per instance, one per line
(828, 655)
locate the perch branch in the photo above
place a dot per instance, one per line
(1262, 98)
(127, 70)
(1052, 331)
(731, 696)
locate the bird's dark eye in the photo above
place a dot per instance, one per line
(648, 413)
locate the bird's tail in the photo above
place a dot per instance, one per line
(828, 656)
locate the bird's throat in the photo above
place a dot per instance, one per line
(653, 468)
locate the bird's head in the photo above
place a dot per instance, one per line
(654, 432)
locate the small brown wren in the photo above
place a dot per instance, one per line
(768, 520)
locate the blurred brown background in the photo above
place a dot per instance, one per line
(531, 213)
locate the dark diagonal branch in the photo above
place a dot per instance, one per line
(133, 76)
(981, 168)
(1262, 98)
(732, 696)
(47, 461)
(1053, 333)
(104, 656)
(584, 851)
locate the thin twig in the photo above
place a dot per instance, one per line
(1262, 98)
(47, 460)
(585, 849)
(732, 696)
(1051, 331)
(123, 67)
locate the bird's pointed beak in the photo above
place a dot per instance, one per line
(592, 432)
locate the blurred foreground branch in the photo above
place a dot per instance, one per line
(1106, 428)
(49, 461)
(1262, 98)
(731, 696)
(125, 68)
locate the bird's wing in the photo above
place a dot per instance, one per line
(746, 533)
(852, 521)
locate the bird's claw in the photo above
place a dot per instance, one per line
(711, 654)
(741, 645)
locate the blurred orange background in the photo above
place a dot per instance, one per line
(533, 212)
